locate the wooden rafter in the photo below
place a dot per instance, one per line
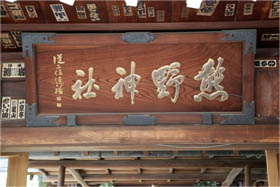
(43, 172)
(108, 171)
(139, 170)
(231, 176)
(78, 177)
(202, 171)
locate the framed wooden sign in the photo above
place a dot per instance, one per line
(140, 78)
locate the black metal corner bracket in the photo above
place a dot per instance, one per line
(207, 118)
(249, 36)
(137, 37)
(32, 120)
(139, 120)
(246, 118)
(71, 120)
(35, 38)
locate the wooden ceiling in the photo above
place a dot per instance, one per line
(153, 12)
(179, 168)
(114, 16)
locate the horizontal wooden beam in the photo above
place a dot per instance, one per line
(142, 26)
(165, 136)
(152, 164)
(133, 177)
(17, 56)
(143, 183)
(148, 177)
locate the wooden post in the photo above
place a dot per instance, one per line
(61, 176)
(272, 164)
(17, 169)
(247, 176)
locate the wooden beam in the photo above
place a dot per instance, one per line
(272, 163)
(7, 155)
(139, 170)
(231, 176)
(220, 136)
(247, 176)
(61, 176)
(17, 56)
(17, 170)
(137, 177)
(145, 183)
(108, 171)
(143, 26)
(78, 177)
(133, 164)
(147, 177)
(43, 172)
(203, 170)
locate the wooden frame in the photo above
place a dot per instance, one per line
(246, 37)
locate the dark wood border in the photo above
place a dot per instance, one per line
(142, 26)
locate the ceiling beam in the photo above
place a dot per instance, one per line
(148, 177)
(171, 170)
(143, 183)
(231, 176)
(78, 177)
(202, 170)
(108, 171)
(133, 164)
(220, 136)
(143, 26)
(43, 172)
(136, 177)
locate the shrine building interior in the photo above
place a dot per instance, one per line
(118, 93)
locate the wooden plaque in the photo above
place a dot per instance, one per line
(140, 78)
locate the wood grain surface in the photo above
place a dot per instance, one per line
(105, 58)
(86, 136)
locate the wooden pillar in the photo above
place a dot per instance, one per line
(17, 169)
(247, 173)
(272, 165)
(61, 176)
